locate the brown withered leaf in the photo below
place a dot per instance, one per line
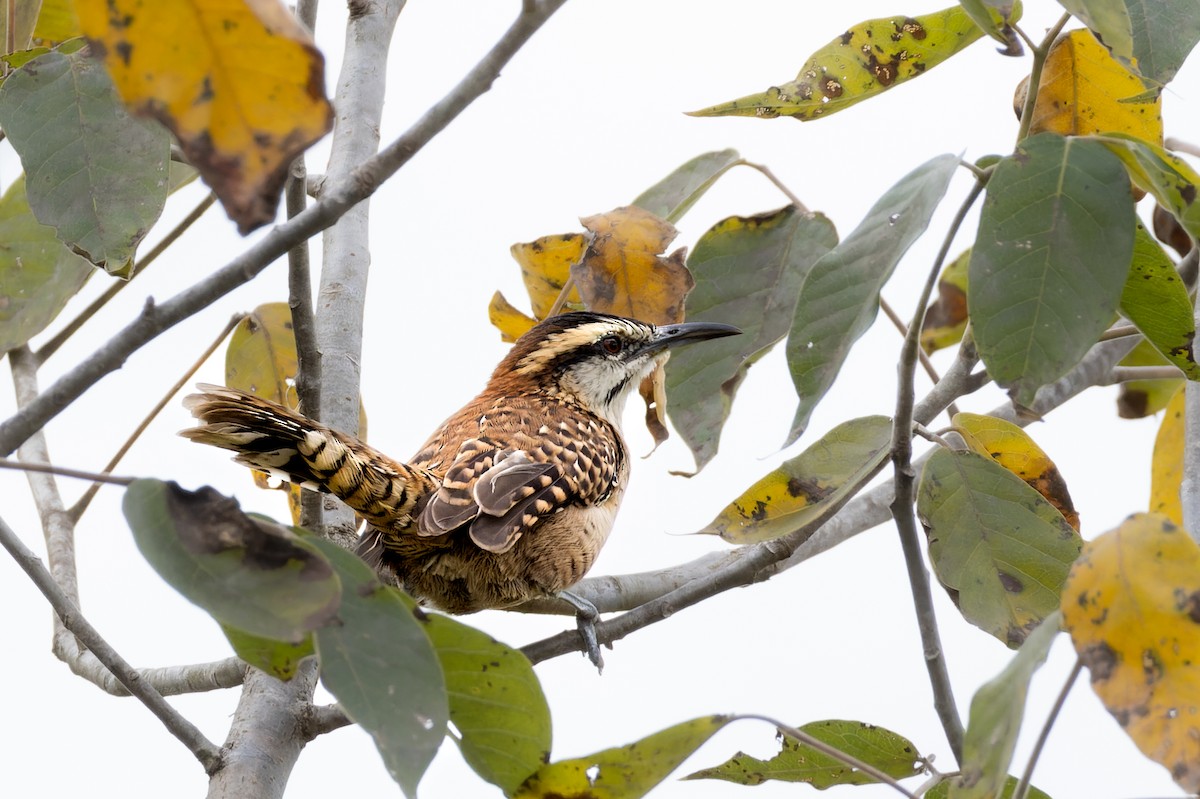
(1168, 230)
(623, 271)
(654, 393)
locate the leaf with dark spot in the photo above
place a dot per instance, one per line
(887, 751)
(626, 772)
(250, 574)
(809, 486)
(990, 533)
(1133, 625)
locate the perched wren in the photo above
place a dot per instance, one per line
(512, 497)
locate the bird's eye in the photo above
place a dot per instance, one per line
(611, 344)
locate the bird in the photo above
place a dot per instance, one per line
(512, 497)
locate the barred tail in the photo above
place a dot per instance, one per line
(271, 438)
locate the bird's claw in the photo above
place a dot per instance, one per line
(586, 616)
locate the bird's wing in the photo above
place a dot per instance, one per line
(503, 492)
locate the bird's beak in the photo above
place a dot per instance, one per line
(669, 336)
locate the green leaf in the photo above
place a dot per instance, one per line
(994, 17)
(94, 173)
(1049, 261)
(38, 275)
(892, 754)
(996, 713)
(1164, 32)
(626, 772)
(1156, 300)
(748, 273)
(1110, 21)
(382, 668)
(496, 703)
(277, 658)
(1168, 177)
(942, 791)
(869, 58)
(672, 196)
(806, 488)
(840, 297)
(247, 573)
(998, 547)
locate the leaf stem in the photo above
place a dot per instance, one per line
(899, 324)
(769, 175)
(1039, 51)
(77, 510)
(1022, 789)
(60, 338)
(335, 201)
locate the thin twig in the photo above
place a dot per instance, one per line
(1181, 146)
(927, 434)
(769, 175)
(832, 751)
(321, 719)
(1022, 788)
(899, 324)
(655, 596)
(561, 299)
(752, 560)
(76, 511)
(905, 490)
(63, 471)
(72, 327)
(1039, 51)
(191, 737)
(335, 201)
(1124, 374)
(1121, 331)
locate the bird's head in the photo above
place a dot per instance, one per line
(597, 359)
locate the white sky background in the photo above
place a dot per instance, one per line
(584, 118)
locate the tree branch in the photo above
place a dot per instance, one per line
(68, 613)
(335, 201)
(59, 530)
(905, 483)
(1022, 789)
(659, 590)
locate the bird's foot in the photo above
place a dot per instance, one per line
(586, 616)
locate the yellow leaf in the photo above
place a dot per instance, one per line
(626, 772)
(1085, 90)
(946, 318)
(1132, 607)
(804, 488)
(56, 22)
(1012, 448)
(510, 321)
(623, 273)
(261, 357)
(239, 82)
(1166, 468)
(545, 266)
(869, 58)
